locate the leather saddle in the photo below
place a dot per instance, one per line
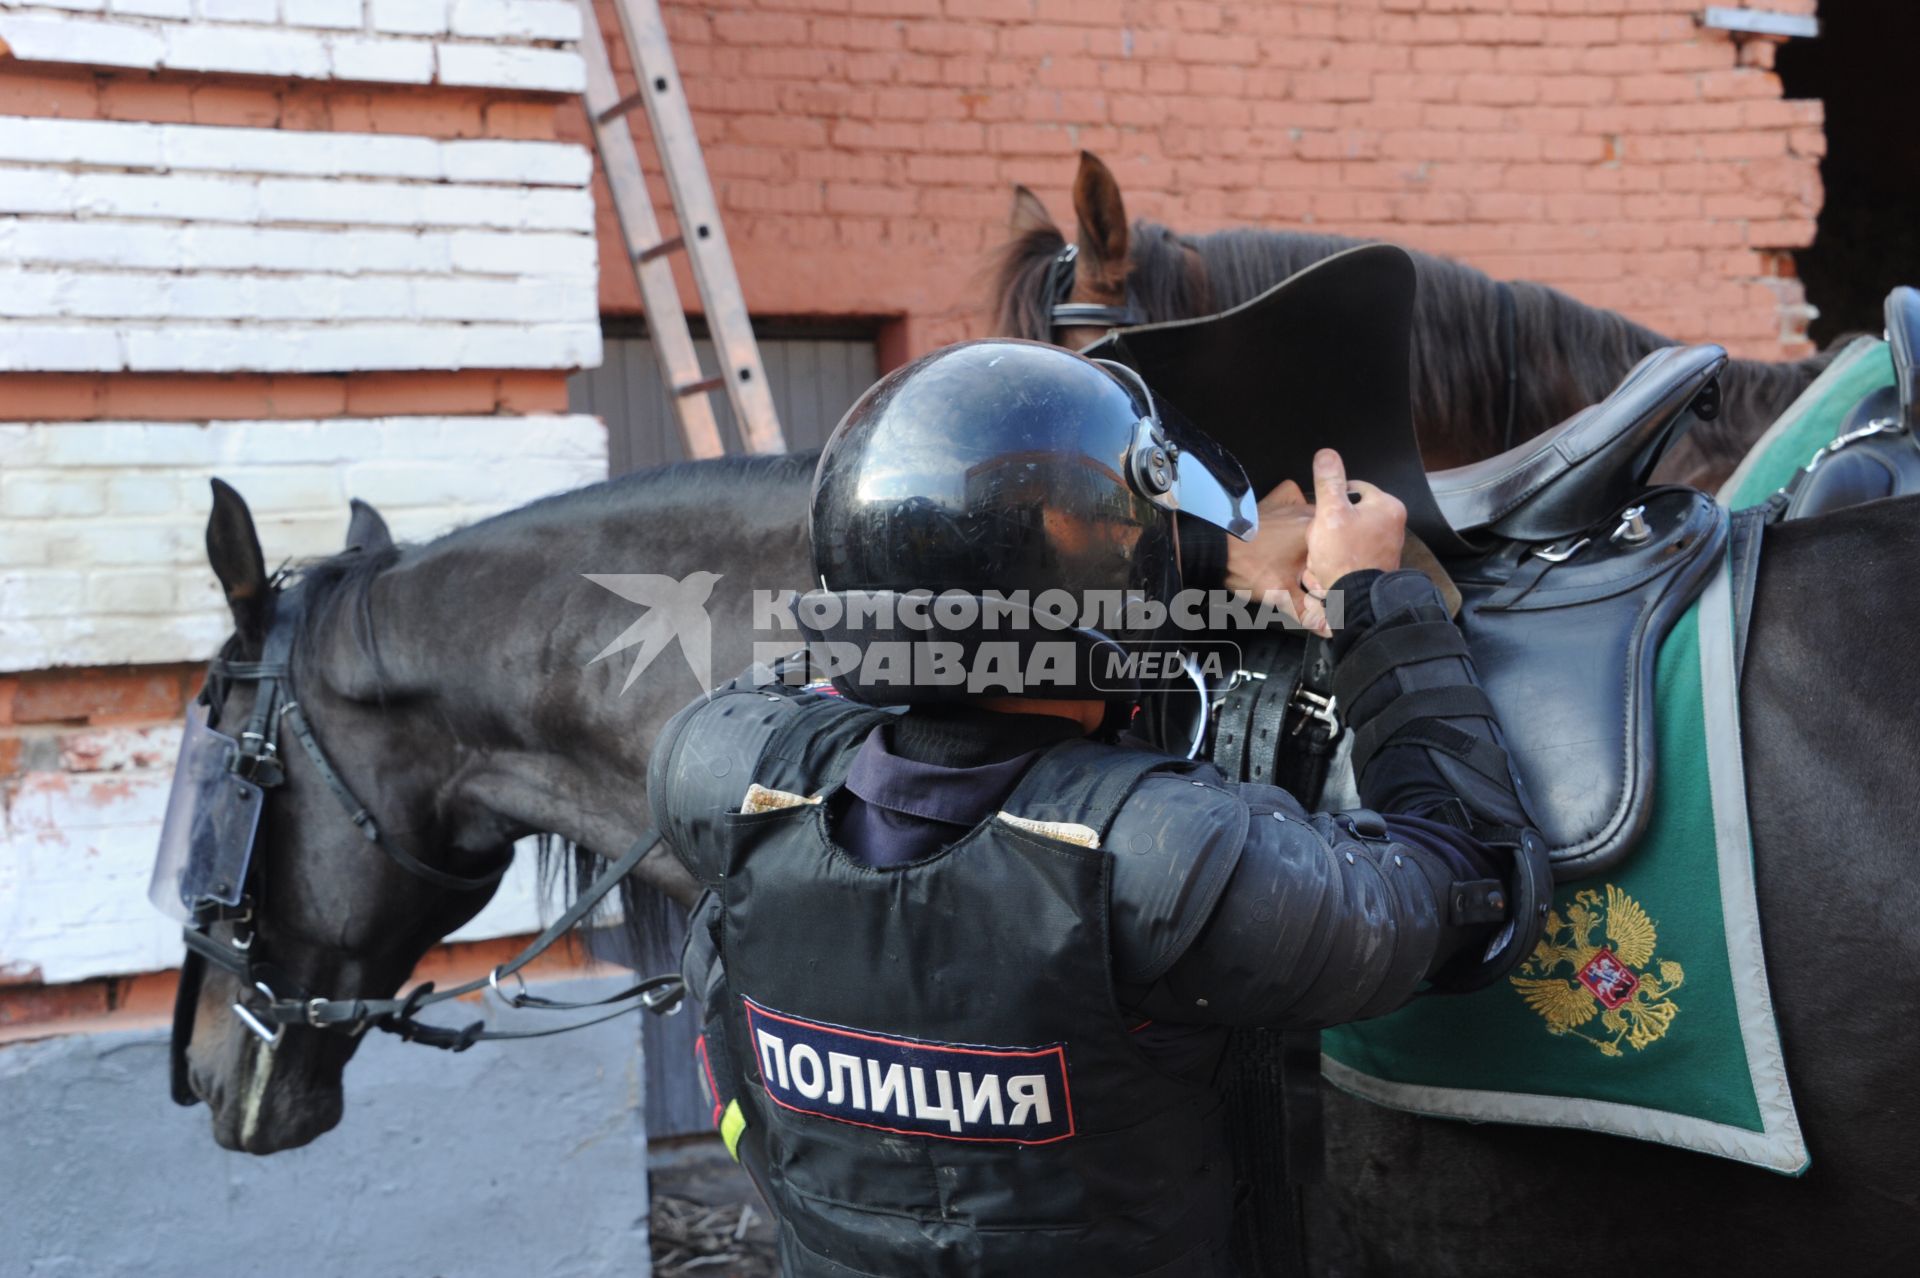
(1570, 569)
(1876, 452)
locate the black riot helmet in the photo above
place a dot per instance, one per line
(998, 517)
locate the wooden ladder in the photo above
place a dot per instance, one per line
(701, 236)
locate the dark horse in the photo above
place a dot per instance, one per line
(455, 685)
(1563, 354)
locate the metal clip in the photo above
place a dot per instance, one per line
(1555, 553)
(668, 1000)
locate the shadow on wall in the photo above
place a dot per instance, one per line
(530, 1158)
(1869, 240)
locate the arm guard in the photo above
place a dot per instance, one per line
(1323, 920)
(1427, 743)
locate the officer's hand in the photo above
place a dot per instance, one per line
(1350, 533)
(1269, 566)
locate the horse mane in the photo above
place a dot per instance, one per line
(1570, 354)
(651, 924)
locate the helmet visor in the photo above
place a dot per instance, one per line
(1208, 482)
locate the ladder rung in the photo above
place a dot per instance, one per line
(700, 387)
(672, 244)
(622, 107)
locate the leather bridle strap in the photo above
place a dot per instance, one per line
(397, 1015)
(357, 813)
(1062, 313)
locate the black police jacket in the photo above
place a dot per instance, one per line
(925, 1066)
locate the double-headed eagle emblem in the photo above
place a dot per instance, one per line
(1570, 978)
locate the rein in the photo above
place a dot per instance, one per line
(259, 761)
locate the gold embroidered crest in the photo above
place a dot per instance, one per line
(1570, 978)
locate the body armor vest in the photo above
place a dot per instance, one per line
(935, 1076)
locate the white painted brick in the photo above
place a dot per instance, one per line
(539, 346)
(537, 301)
(76, 5)
(35, 191)
(531, 253)
(31, 293)
(409, 17)
(110, 545)
(94, 244)
(170, 196)
(350, 203)
(105, 44)
(90, 296)
(126, 444)
(41, 594)
(544, 209)
(144, 493)
(486, 65)
(130, 592)
(519, 163)
(246, 51)
(51, 494)
(228, 349)
(380, 60)
(529, 19)
(261, 11)
(153, 8)
(345, 15)
(292, 489)
(205, 297)
(36, 347)
(79, 142)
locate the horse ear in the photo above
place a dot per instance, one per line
(1103, 218)
(233, 548)
(366, 531)
(1029, 214)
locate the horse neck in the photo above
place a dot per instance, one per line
(496, 635)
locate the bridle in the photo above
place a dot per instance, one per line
(1061, 313)
(258, 760)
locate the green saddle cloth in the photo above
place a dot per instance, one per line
(1645, 1010)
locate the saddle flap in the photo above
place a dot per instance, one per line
(1563, 481)
(1565, 646)
(1323, 358)
(1903, 336)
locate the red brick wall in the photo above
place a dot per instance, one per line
(864, 150)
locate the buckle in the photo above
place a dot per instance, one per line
(1312, 706)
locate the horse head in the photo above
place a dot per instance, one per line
(323, 911)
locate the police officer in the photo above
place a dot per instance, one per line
(968, 967)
